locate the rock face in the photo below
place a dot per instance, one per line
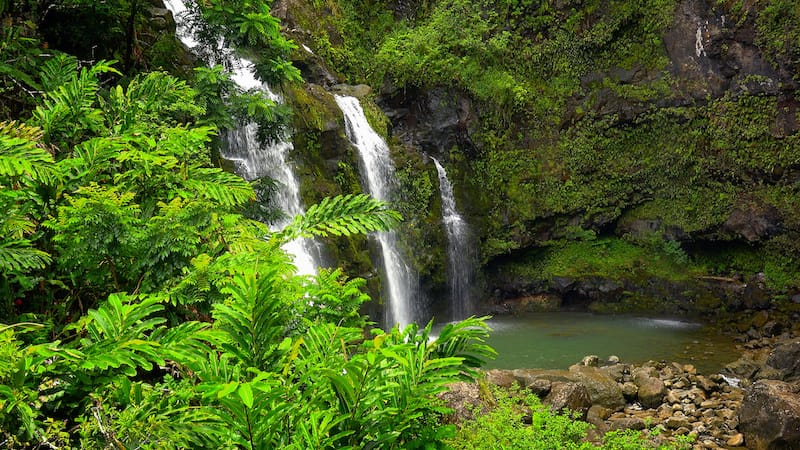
(770, 416)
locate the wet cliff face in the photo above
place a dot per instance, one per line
(666, 134)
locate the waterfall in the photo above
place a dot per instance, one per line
(255, 160)
(377, 169)
(460, 257)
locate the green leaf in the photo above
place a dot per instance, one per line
(246, 394)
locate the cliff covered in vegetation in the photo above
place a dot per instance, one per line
(640, 151)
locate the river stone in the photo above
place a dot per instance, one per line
(742, 368)
(676, 422)
(464, 399)
(627, 423)
(640, 373)
(629, 390)
(786, 358)
(737, 440)
(615, 371)
(540, 387)
(590, 360)
(769, 416)
(603, 390)
(651, 391)
(569, 396)
(501, 378)
(706, 384)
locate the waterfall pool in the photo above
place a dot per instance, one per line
(559, 339)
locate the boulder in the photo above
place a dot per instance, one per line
(630, 390)
(502, 378)
(541, 387)
(786, 358)
(569, 396)
(769, 417)
(651, 392)
(627, 423)
(464, 399)
(603, 390)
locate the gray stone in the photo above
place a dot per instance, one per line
(540, 387)
(602, 389)
(627, 423)
(569, 396)
(651, 392)
(590, 360)
(786, 358)
(629, 390)
(769, 417)
(502, 378)
(464, 399)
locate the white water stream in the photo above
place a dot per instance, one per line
(401, 285)
(254, 160)
(460, 258)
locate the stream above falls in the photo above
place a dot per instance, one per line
(556, 340)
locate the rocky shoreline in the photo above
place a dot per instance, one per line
(753, 403)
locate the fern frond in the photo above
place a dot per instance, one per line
(69, 109)
(149, 99)
(342, 215)
(58, 71)
(253, 319)
(19, 256)
(117, 335)
(20, 155)
(225, 188)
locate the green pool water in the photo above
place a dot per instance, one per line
(558, 340)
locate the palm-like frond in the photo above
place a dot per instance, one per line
(254, 319)
(71, 103)
(149, 99)
(19, 256)
(342, 215)
(225, 188)
(20, 154)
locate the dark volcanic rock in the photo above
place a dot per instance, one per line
(753, 222)
(651, 391)
(569, 396)
(786, 358)
(770, 416)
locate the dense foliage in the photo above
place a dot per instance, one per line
(142, 309)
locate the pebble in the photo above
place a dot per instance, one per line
(736, 440)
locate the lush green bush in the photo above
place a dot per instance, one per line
(519, 420)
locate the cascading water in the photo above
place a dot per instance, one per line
(460, 258)
(377, 168)
(254, 160)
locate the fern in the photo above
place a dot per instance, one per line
(19, 256)
(58, 71)
(254, 320)
(149, 101)
(20, 155)
(225, 188)
(342, 215)
(69, 110)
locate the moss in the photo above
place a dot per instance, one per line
(376, 118)
(611, 258)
